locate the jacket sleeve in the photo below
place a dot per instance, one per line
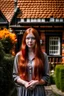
(46, 69)
(15, 69)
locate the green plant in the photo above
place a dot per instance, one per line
(6, 80)
(1, 52)
(59, 79)
(52, 77)
(7, 46)
(8, 40)
(62, 79)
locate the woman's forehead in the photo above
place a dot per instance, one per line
(30, 35)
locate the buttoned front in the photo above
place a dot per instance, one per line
(30, 68)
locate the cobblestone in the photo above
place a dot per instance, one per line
(49, 91)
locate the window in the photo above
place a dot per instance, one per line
(54, 45)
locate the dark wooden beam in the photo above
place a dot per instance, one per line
(41, 23)
(37, 27)
(3, 23)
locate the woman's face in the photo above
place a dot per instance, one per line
(30, 40)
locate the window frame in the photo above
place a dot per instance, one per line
(54, 45)
(53, 34)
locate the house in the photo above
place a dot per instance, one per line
(47, 16)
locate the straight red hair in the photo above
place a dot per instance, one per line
(23, 58)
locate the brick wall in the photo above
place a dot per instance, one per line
(42, 36)
(63, 47)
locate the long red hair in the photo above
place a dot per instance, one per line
(23, 58)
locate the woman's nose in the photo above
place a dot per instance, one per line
(30, 39)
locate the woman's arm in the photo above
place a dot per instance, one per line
(45, 77)
(16, 77)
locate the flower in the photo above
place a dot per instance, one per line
(8, 40)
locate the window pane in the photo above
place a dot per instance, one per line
(54, 46)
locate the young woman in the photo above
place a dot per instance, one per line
(31, 68)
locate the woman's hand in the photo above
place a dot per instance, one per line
(32, 84)
(21, 81)
(26, 84)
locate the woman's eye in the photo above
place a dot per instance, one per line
(27, 38)
(33, 38)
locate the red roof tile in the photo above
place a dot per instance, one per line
(33, 8)
(41, 8)
(7, 8)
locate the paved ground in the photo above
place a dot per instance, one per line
(49, 91)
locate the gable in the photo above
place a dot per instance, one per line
(2, 18)
(7, 8)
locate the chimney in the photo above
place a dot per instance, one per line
(15, 5)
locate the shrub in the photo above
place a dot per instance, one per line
(7, 48)
(8, 40)
(52, 77)
(6, 75)
(59, 80)
(1, 52)
(62, 79)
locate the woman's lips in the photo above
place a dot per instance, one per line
(30, 44)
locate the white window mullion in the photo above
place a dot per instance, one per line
(58, 45)
(54, 46)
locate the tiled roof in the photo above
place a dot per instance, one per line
(7, 8)
(33, 8)
(41, 8)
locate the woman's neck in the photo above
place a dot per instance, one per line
(30, 50)
(31, 54)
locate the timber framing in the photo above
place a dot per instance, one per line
(42, 23)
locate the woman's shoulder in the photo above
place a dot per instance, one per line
(18, 53)
(45, 54)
